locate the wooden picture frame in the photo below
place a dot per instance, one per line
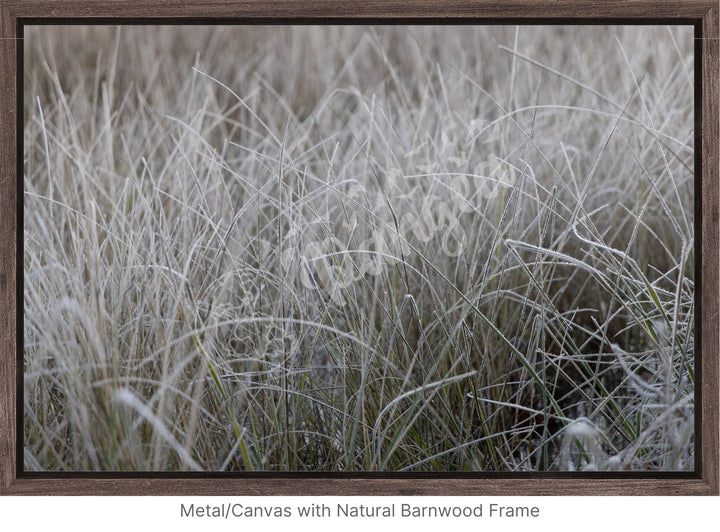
(701, 14)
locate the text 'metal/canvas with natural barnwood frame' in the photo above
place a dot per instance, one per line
(392, 248)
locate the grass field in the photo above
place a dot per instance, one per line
(358, 248)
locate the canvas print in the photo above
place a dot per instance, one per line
(358, 248)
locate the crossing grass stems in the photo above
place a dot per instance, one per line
(358, 249)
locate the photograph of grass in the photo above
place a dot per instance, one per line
(358, 248)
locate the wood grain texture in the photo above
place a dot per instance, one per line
(710, 241)
(403, 9)
(8, 242)
(702, 12)
(535, 485)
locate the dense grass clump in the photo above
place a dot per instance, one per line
(358, 248)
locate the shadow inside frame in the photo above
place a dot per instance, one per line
(552, 475)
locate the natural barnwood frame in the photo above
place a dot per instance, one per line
(702, 14)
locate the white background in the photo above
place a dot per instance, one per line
(157, 514)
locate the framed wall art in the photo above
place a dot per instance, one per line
(383, 248)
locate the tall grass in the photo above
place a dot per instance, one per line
(354, 249)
